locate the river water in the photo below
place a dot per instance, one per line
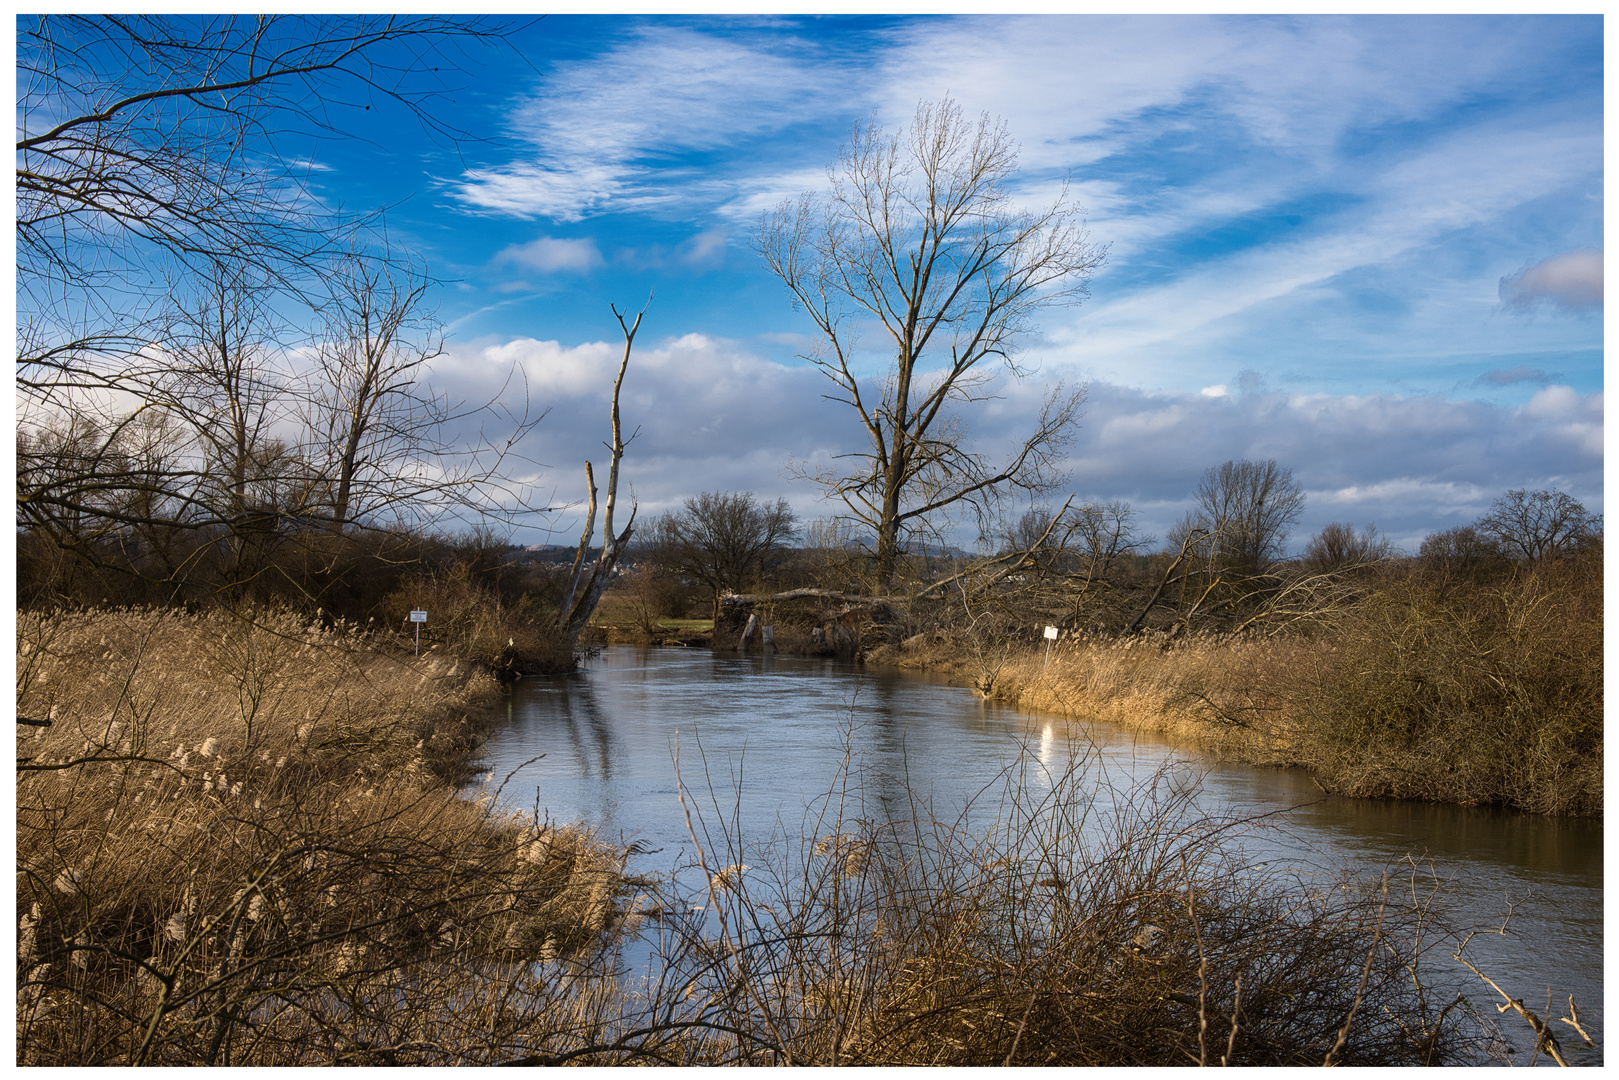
(761, 741)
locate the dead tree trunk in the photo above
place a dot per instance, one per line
(584, 592)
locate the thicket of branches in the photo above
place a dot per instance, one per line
(224, 384)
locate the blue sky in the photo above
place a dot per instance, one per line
(1368, 247)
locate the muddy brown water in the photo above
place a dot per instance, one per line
(762, 740)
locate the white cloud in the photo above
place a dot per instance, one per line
(549, 255)
(711, 415)
(604, 129)
(704, 251)
(1412, 464)
(1070, 84)
(1446, 185)
(1570, 282)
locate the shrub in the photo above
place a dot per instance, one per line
(1490, 693)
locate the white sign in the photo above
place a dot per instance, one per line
(1051, 633)
(418, 616)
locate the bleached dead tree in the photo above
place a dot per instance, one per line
(586, 585)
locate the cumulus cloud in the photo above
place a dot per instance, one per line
(1570, 282)
(712, 415)
(1411, 464)
(551, 256)
(709, 415)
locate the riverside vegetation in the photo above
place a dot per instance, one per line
(1469, 673)
(1472, 692)
(240, 840)
(236, 846)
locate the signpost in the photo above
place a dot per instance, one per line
(1051, 635)
(418, 617)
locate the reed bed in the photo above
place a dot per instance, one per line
(236, 844)
(1406, 699)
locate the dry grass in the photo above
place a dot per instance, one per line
(236, 845)
(502, 635)
(1219, 693)
(1491, 698)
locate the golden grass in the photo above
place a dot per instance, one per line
(236, 845)
(1398, 702)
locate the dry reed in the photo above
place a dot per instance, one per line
(1491, 698)
(236, 845)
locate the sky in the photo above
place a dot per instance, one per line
(1366, 247)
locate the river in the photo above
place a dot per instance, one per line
(761, 741)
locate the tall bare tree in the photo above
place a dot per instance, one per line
(224, 384)
(153, 151)
(149, 146)
(919, 233)
(370, 416)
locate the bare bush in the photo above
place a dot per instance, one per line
(1068, 933)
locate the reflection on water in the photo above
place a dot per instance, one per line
(762, 741)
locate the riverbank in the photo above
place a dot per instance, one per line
(1053, 855)
(1518, 725)
(239, 841)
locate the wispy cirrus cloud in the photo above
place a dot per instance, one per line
(549, 255)
(622, 128)
(1354, 208)
(583, 255)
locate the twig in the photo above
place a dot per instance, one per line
(1202, 973)
(1545, 1039)
(1573, 1021)
(1231, 1043)
(1377, 933)
(1021, 1025)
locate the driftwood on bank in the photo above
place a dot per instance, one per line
(748, 599)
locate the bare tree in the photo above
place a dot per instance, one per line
(1248, 508)
(1339, 547)
(370, 417)
(584, 589)
(148, 147)
(150, 156)
(724, 541)
(1532, 525)
(918, 232)
(224, 384)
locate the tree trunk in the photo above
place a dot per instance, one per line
(578, 607)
